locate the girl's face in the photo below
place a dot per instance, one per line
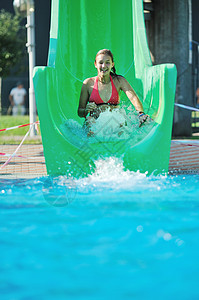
(104, 64)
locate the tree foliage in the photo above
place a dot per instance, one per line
(12, 42)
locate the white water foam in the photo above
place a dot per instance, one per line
(110, 173)
(110, 126)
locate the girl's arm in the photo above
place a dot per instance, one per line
(83, 100)
(85, 107)
(129, 91)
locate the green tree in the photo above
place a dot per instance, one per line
(12, 42)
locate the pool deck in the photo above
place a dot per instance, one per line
(184, 159)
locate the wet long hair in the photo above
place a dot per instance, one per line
(109, 53)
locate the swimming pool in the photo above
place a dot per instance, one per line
(112, 235)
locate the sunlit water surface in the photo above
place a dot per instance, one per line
(113, 235)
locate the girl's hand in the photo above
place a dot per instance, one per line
(142, 118)
(90, 107)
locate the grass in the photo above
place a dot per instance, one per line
(15, 136)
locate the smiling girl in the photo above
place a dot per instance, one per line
(101, 92)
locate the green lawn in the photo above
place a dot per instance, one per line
(14, 136)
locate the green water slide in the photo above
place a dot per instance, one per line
(79, 28)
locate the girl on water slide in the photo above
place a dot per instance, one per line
(101, 92)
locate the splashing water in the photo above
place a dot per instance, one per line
(111, 169)
(110, 126)
(109, 173)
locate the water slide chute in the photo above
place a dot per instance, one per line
(80, 28)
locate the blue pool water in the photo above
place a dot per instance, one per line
(112, 235)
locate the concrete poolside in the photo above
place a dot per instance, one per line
(184, 159)
(31, 165)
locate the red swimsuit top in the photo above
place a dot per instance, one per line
(95, 96)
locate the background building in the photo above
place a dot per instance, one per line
(173, 37)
